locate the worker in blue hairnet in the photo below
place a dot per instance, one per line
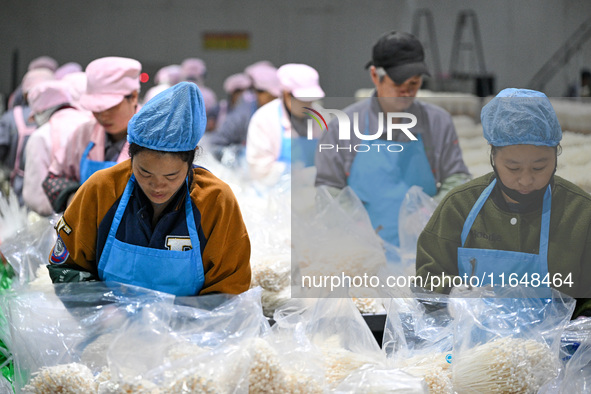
(520, 224)
(156, 220)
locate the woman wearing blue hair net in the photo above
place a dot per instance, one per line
(520, 221)
(157, 221)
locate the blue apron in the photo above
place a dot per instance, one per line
(298, 149)
(381, 179)
(483, 262)
(170, 271)
(89, 167)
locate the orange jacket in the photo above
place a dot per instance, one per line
(225, 252)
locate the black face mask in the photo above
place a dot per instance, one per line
(534, 197)
(526, 199)
(531, 198)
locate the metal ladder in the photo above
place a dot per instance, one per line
(472, 46)
(561, 57)
(429, 43)
(467, 44)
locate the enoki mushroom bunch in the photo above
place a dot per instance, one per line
(432, 367)
(187, 381)
(271, 272)
(506, 365)
(71, 378)
(139, 387)
(193, 384)
(271, 300)
(267, 375)
(340, 363)
(369, 305)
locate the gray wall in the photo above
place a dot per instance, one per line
(335, 36)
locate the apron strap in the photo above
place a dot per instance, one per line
(476, 209)
(117, 218)
(544, 228)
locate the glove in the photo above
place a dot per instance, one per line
(64, 273)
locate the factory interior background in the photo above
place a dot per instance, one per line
(506, 42)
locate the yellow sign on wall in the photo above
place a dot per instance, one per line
(226, 40)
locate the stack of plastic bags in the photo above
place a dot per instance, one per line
(105, 337)
(483, 340)
(25, 241)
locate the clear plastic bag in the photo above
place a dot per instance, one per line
(236, 317)
(416, 326)
(5, 385)
(575, 333)
(507, 339)
(378, 380)
(199, 344)
(291, 349)
(418, 339)
(28, 250)
(575, 354)
(336, 241)
(577, 373)
(335, 330)
(58, 336)
(13, 216)
(415, 211)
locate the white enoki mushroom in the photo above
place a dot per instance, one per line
(340, 363)
(103, 376)
(71, 378)
(437, 378)
(187, 380)
(106, 386)
(193, 384)
(298, 383)
(266, 374)
(42, 279)
(184, 349)
(271, 300)
(429, 360)
(432, 367)
(506, 365)
(272, 273)
(140, 387)
(369, 305)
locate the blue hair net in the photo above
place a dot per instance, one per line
(172, 121)
(520, 116)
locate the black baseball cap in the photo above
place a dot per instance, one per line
(400, 54)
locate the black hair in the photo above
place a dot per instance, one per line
(186, 156)
(495, 149)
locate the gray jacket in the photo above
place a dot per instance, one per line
(433, 123)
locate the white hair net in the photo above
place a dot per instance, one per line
(172, 121)
(520, 116)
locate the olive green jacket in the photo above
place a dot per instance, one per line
(569, 249)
